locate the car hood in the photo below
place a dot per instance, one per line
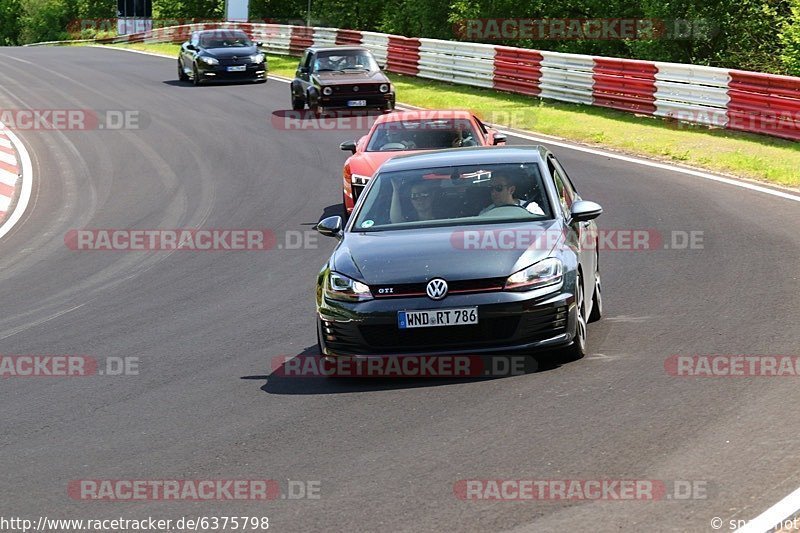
(227, 53)
(418, 255)
(349, 78)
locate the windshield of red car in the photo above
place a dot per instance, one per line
(428, 134)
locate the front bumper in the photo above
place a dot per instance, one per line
(380, 101)
(507, 322)
(221, 73)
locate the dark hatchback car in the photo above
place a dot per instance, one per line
(221, 55)
(467, 250)
(340, 77)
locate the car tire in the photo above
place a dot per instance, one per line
(181, 73)
(597, 300)
(298, 104)
(195, 76)
(577, 349)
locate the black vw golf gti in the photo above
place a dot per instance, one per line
(217, 55)
(469, 250)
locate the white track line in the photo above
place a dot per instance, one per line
(772, 516)
(27, 183)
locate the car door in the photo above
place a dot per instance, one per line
(583, 233)
(189, 54)
(303, 73)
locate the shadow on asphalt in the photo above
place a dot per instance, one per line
(190, 85)
(283, 381)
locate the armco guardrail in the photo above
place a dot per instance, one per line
(737, 100)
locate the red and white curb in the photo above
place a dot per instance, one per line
(15, 177)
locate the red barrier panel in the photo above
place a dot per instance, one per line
(517, 70)
(624, 84)
(302, 37)
(764, 103)
(403, 55)
(348, 37)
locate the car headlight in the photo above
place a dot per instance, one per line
(209, 60)
(547, 272)
(340, 287)
(384, 88)
(360, 179)
(327, 91)
(257, 59)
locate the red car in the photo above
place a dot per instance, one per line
(409, 131)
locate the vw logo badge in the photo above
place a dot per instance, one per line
(355, 88)
(436, 289)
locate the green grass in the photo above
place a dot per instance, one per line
(741, 154)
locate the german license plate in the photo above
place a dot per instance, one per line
(237, 68)
(439, 317)
(356, 103)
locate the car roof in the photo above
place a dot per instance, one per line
(220, 31)
(466, 156)
(337, 49)
(426, 114)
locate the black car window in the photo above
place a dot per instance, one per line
(344, 60)
(306, 61)
(225, 39)
(450, 196)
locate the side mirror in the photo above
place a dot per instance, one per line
(259, 44)
(584, 210)
(190, 46)
(382, 67)
(498, 138)
(302, 70)
(331, 226)
(348, 146)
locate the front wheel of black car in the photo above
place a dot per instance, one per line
(195, 76)
(577, 349)
(182, 73)
(298, 104)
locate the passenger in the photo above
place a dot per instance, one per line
(422, 200)
(502, 192)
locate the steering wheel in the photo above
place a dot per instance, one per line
(393, 146)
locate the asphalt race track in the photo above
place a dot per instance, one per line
(385, 453)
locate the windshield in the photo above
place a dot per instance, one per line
(354, 60)
(225, 40)
(462, 195)
(429, 134)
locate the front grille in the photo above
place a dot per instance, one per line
(363, 88)
(357, 190)
(543, 324)
(341, 337)
(487, 331)
(453, 287)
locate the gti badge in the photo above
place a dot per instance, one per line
(436, 289)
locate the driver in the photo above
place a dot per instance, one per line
(395, 137)
(502, 191)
